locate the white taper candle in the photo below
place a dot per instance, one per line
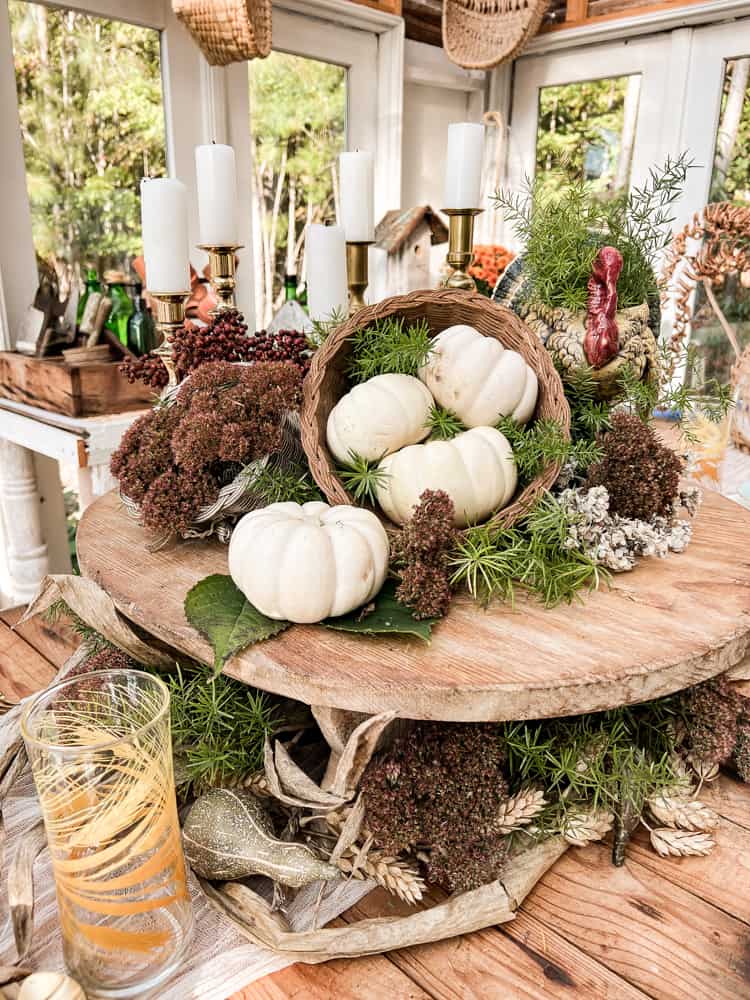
(463, 165)
(164, 224)
(216, 183)
(325, 262)
(356, 196)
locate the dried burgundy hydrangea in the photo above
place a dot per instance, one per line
(439, 789)
(223, 339)
(175, 459)
(641, 475)
(712, 712)
(741, 756)
(421, 550)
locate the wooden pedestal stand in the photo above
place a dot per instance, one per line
(660, 628)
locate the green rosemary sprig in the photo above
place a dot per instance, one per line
(323, 328)
(362, 478)
(443, 424)
(538, 446)
(278, 483)
(389, 345)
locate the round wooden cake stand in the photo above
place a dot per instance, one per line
(662, 627)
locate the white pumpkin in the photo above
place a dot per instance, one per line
(50, 986)
(478, 379)
(476, 469)
(303, 563)
(379, 417)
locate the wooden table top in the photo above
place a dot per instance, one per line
(662, 627)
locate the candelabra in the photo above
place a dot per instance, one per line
(460, 247)
(222, 265)
(170, 315)
(357, 276)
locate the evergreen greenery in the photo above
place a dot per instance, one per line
(95, 641)
(537, 446)
(361, 478)
(532, 556)
(444, 424)
(277, 483)
(219, 726)
(563, 231)
(389, 345)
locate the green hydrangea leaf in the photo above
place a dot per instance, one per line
(384, 615)
(218, 609)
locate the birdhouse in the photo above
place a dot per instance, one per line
(407, 237)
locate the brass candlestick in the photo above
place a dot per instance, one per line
(222, 264)
(460, 247)
(357, 274)
(170, 315)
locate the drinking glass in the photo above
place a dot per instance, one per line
(101, 755)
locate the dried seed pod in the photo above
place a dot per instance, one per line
(519, 810)
(581, 828)
(680, 843)
(228, 835)
(677, 812)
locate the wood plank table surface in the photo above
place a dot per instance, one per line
(662, 627)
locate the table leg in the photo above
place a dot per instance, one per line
(27, 556)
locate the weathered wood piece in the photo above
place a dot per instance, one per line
(82, 390)
(664, 626)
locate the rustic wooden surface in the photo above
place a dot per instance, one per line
(666, 625)
(75, 390)
(656, 928)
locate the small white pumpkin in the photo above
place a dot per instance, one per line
(50, 986)
(303, 563)
(476, 469)
(478, 379)
(378, 417)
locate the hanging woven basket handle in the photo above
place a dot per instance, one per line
(228, 31)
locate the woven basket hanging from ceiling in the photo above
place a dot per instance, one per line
(480, 34)
(228, 31)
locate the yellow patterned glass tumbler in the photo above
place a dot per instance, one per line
(101, 753)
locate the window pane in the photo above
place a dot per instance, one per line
(730, 181)
(587, 131)
(92, 120)
(298, 121)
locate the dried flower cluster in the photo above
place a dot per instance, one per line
(640, 474)
(617, 542)
(175, 459)
(224, 339)
(423, 549)
(718, 724)
(439, 790)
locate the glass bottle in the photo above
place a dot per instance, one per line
(141, 328)
(290, 287)
(122, 305)
(92, 284)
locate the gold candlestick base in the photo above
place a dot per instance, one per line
(357, 274)
(460, 247)
(223, 265)
(170, 315)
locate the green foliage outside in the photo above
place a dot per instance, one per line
(297, 115)
(577, 119)
(731, 173)
(92, 120)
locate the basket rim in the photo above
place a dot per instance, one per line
(551, 397)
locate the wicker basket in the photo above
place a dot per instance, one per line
(480, 34)
(326, 381)
(228, 31)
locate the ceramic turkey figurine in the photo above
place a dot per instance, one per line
(602, 338)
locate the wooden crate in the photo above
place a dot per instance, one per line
(76, 390)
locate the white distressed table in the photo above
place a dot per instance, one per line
(84, 443)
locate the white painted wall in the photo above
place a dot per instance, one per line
(428, 110)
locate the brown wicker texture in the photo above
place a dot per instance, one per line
(480, 34)
(228, 31)
(326, 381)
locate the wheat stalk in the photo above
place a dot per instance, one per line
(669, 843)
(519, 810)
(687, 814)
(581, 828)
(706, 770)
(254, 781)
(398, 877)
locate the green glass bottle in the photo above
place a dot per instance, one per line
(92, 284)
(141, 327)
(122, 305)
(290, 287)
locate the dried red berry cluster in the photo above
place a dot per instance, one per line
(422, 551)
(175, 459)
(224, 339)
